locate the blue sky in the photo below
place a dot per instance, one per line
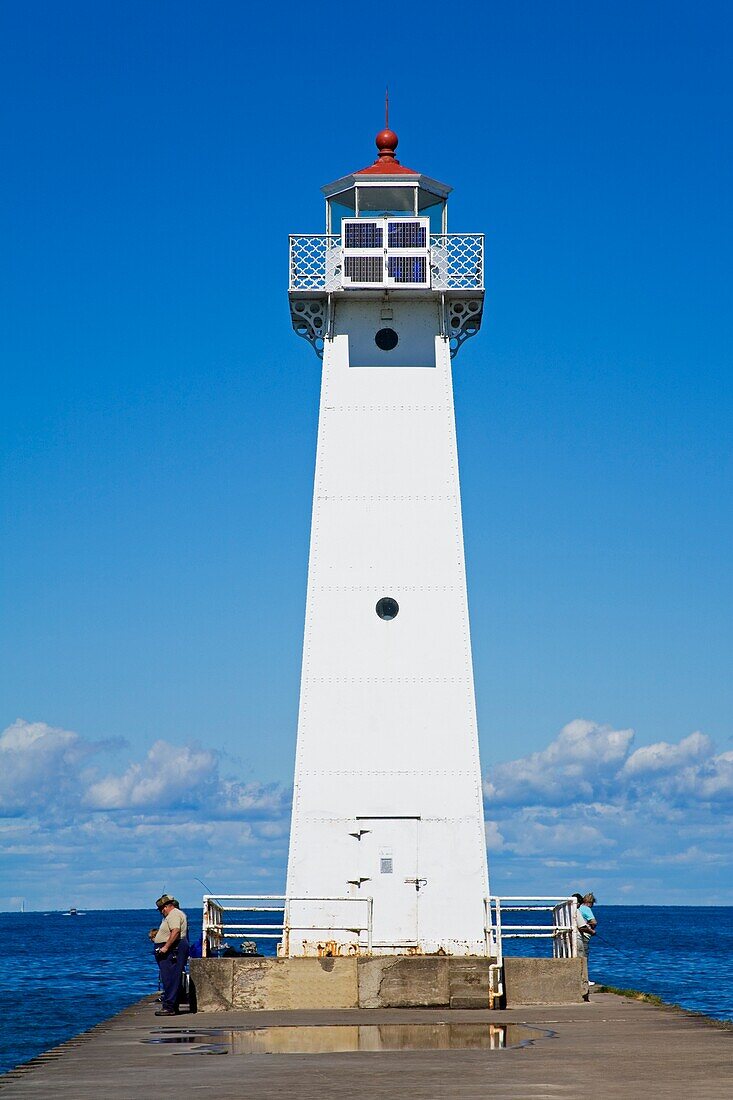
(159, 418)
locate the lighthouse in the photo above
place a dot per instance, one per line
(387, 846)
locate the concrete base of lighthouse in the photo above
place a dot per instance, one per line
(386, 981)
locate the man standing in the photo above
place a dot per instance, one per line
(585, 923)
(171, 952)
(585, 912)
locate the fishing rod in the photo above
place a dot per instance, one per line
(609, 943)
(206, 888)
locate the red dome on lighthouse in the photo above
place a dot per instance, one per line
(386, 142)
(386, 163)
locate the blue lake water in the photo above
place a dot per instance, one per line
(64, 974)
(684, 954)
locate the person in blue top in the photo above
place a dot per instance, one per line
(586, 924)
(586, 912)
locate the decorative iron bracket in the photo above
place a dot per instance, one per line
(309, 317)
(461, 320)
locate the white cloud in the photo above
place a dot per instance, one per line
(713, 781)
(591, 807)
(121, 836)
(590, 763)
(663, 757)
(55, 773)
(41, 767)
(170, 777)
(577, 765)
(494, 839)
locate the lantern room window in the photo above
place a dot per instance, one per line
(338, 208)
(385, 200)
(432, 206)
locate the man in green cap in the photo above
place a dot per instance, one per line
(171, 952)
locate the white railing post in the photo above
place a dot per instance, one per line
(286, 927)
(558, 947)
(499, 941)
(569, 921)
(370, 924)
(487, 929)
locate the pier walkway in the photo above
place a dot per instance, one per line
(609, 1048)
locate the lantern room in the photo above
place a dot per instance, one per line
(386, 189)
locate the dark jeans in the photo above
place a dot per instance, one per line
(171, 966)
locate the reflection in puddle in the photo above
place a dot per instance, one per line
(342, 1038)
(173, 1039)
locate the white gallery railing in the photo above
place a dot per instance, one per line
(456, 262)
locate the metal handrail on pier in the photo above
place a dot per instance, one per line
(563, 931)
(215, 930)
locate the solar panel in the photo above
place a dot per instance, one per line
(364, 269)
(369, 247)
(363, 235)
(407, 269)
(406, 234)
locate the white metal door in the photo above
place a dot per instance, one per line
(389, 850)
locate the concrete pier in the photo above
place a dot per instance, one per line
(612, 1047)
(384, 981)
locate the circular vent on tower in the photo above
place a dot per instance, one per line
(386, 339)
(387, 608)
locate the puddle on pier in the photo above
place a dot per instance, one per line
(345, 1038)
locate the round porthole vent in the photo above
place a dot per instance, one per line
(386, 339)
(387, 608)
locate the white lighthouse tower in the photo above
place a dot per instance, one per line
(387, 848)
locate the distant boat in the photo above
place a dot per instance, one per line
(73, 913)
